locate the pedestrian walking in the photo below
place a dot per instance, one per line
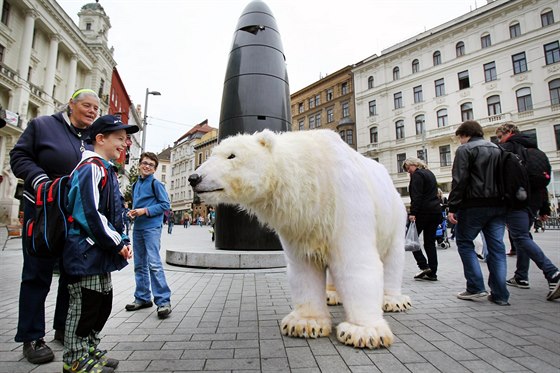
(475, 205)
(425, 211)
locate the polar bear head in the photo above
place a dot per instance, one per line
(238, 172)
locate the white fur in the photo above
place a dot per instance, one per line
(331, 207)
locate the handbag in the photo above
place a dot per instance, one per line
(412, 243)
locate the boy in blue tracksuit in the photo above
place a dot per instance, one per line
(96, 245)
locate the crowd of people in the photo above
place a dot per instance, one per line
(477, 208)
(53, 146)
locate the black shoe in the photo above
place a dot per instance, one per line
(511, 253)
(135, 306)
(163, 311)
(420, 275)
(37, 352)
(430, 277)
(554, 287)
(59, 336)
(498, 302)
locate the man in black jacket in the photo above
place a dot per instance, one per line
(475, 205)
(520, 218)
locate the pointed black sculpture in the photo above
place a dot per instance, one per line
(256, 96)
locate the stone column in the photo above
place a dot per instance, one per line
(72, 72)
(51, 70)
(26, 43)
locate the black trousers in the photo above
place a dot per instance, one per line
(428, 224)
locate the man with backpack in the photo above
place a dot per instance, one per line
(520, 216)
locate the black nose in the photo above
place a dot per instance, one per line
(194, 179)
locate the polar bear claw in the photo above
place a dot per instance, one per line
(396, 303)
(376, 336)
(294, 325)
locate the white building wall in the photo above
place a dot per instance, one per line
(493, 18)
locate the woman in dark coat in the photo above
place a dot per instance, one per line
(425, 210)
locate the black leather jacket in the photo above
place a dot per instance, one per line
(475, 175)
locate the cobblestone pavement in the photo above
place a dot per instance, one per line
(228, 321)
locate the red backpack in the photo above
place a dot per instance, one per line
(45, 232)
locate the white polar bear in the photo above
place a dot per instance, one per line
(331, 207)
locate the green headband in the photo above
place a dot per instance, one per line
(79, 91)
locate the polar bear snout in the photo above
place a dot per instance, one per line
(194, 179)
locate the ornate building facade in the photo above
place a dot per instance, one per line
(499, 63)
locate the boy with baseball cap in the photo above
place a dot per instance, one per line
(96, 246)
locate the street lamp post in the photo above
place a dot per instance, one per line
(145, 124)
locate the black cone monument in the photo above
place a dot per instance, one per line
(256, 96)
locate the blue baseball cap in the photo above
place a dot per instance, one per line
(110, 123)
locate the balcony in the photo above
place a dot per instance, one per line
(371, 149)
(7, 72)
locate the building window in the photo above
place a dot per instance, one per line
(420, 154)
(349, 137)
(437, 58)
(418, 94)
(330, 115)
(401, 157)
(519, 63)
(373, 135)
(467, 111)
(464, 79)
(442, 118)
(370, 82)
(415, 66)
(345, 110)
(554, 90)
(301, 124)
(329, 94)
(419, 121)
(397, 99)
(300, 108)
(547, 18)
(29, 73)
(440, 87)
(557, 135)
(344, 88)
(88, 26)
(318, 120)
(2, 50)
(515, 30)
(460, 49)
(372, 108)
(490, 71)
(485, 41)
(524, 101)
(399, 129)
(396, 73)
(311, 102)
(445, 155)
(494, 106)
(317, 100)
(311, 122)
(5, 13)
(552, 52)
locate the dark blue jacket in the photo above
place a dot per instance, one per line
(96, 236)
(143, 196)
(48, 148)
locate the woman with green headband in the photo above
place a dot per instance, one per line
(50, 147)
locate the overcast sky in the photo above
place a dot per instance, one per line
(180, 47)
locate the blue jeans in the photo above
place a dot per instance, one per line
(491, 221)
(148, 268)
(36, 278)
(519, 225)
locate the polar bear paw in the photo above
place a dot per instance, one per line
(294, 325)
(332, 298)
(376, 336)
(396, 303)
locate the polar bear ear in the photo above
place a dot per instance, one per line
(266, 138)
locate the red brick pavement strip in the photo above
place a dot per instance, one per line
(227, 320)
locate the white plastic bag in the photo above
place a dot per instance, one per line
(412, 243)
(479, 245)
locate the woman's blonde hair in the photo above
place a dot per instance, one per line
(413, 161)
(79, 95)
